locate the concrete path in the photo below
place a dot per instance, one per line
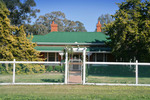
(75, 77)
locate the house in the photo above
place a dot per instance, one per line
(52, 45)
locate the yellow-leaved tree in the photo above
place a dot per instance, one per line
(13, 41)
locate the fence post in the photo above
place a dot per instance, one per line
(136, 72)
(84, 65)
(14, 70)
(66, 68)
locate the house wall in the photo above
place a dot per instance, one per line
(94, 57)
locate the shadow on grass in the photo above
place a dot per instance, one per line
(53, 80)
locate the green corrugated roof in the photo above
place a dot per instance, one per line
(54, 48)
(48, 48)
(71, 37)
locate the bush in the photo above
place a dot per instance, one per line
(22, 68)
(58, 68)
(6, 68)
(49, 68)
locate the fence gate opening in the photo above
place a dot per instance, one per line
(75, 71)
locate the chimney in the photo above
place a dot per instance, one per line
(98, 26)
(54, 27)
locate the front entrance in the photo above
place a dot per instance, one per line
(75, 70)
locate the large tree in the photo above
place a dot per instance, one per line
(42, 24)
(129, 33)
(21, 11)
(13, 41)
(105, 19)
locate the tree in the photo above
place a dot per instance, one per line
(60, 19)
(129, 33)
(105, 19)
(21, 12)
(7, 41)
(13, 41)
(37, 29)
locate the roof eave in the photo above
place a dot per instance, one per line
(52, 43)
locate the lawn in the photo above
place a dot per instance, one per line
(74, 92)
(33, 78)
(113, 79)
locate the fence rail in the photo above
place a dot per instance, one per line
(136, 64)
(66, 64)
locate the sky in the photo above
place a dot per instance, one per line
(85, 11)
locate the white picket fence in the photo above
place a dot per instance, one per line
(84, 71)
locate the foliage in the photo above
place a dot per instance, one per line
(105, 19)
(49, 68)
(43, 24)
(69, 50)
(26, 50)
(13, 41)
(21, 11)
(7, 41)
(56, 68)
(22, 68)
(130, 31)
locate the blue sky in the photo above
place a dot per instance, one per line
(85, 11)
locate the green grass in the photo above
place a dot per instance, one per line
(74, 92)
(111, 79)
(33, 78)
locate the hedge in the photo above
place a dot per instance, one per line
(118, 70)
(22, 68)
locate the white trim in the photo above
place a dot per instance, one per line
(117, 63)
(84, 65)
(99, 51)
(136, 72)
(54, 43)
(14, 71)
(66, 68)
(31, 83)
(117, 84)
(48, 51)
(32, 62)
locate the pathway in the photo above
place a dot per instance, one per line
(75, 77)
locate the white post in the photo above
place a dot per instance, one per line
(14, 71)
(66, 68)
(136, 71)
(84, 66)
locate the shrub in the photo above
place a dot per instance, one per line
(49, 68)
(58, 68)
(22, 68)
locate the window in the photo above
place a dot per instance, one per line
(51, 56)
(100, 57)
